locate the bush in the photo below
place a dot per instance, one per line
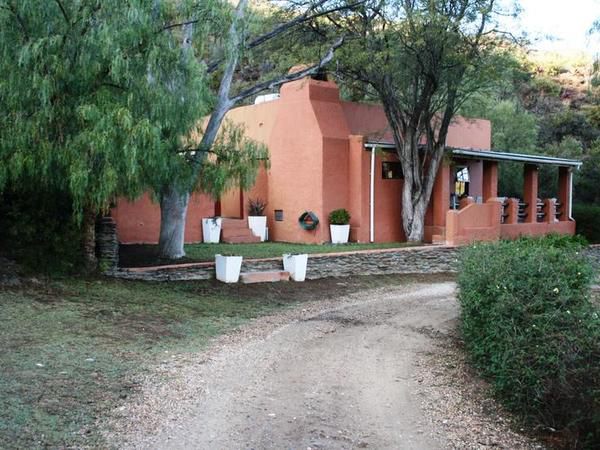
(530, 327)
(339, 217)
(587, 218)
(38, 230)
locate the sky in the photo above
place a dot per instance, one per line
(567, 20)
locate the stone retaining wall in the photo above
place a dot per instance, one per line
(107, 244)
(426, 259)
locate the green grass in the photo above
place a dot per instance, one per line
(206, 252)
(74, 349)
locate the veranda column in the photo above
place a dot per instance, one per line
(441, 195)
(530, 192)
(564, 192)
(490, 180)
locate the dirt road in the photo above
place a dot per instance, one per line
(337, 378)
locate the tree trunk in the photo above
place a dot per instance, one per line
(173, 211)
(416, 231)
(90, 262)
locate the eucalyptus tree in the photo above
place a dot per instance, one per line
(236, 44)
(422, 59)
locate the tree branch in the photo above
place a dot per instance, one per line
(289, 77)
(62, 9)
(303, 18)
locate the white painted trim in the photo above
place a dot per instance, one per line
(372, 198)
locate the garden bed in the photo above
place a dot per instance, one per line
(141, 255)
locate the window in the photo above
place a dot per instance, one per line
(279, 215)
(391, 170)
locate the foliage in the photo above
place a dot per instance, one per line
(233, 160)
(588, 221)
(96, 96)
(37, 229)
(339, 217)
(555, 127)
(256, 207)
(545, 86)
(530, 327)
(423, 59)
(587, 179)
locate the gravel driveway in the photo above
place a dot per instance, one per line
(358, 372)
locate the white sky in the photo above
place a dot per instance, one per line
(566, 20)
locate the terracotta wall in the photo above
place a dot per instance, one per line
(318, 163)
(296, 175)
(481, 222)
(475, 222)
(138, 222)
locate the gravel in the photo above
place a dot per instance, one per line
(376, 369)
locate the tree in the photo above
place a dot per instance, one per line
(423, 59)
(174, 196)
(93, 93)
(102, 99)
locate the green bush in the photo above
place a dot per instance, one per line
(531, 329)
(339, 217)
(37, 229)
(587, 218)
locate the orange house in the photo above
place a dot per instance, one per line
(326, 154)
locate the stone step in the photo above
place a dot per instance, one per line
(264, 277)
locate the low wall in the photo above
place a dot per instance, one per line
(427, 259)
(474, 222)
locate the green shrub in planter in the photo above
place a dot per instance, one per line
(531, 329)
(339, 217)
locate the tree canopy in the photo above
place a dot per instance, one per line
(94, 92)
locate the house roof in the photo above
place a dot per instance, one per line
(494, 155)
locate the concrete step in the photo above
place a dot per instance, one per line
(236, 236)
(233, 223)
(241, 240)
(438, 239)
(264, 277)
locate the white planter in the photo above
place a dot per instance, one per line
(211, 230)
(339, 233)
(295, 265)
(258, 225)
(228, 268)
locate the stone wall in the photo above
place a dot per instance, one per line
(427, 259)
(107, 244)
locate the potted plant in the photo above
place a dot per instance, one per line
(339, 226)
(211, 230)
(257, 221)
(227, 268)
(295, 265)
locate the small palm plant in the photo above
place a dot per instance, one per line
(256, 207)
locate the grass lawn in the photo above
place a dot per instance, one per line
(73, 349)
(146, 255)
